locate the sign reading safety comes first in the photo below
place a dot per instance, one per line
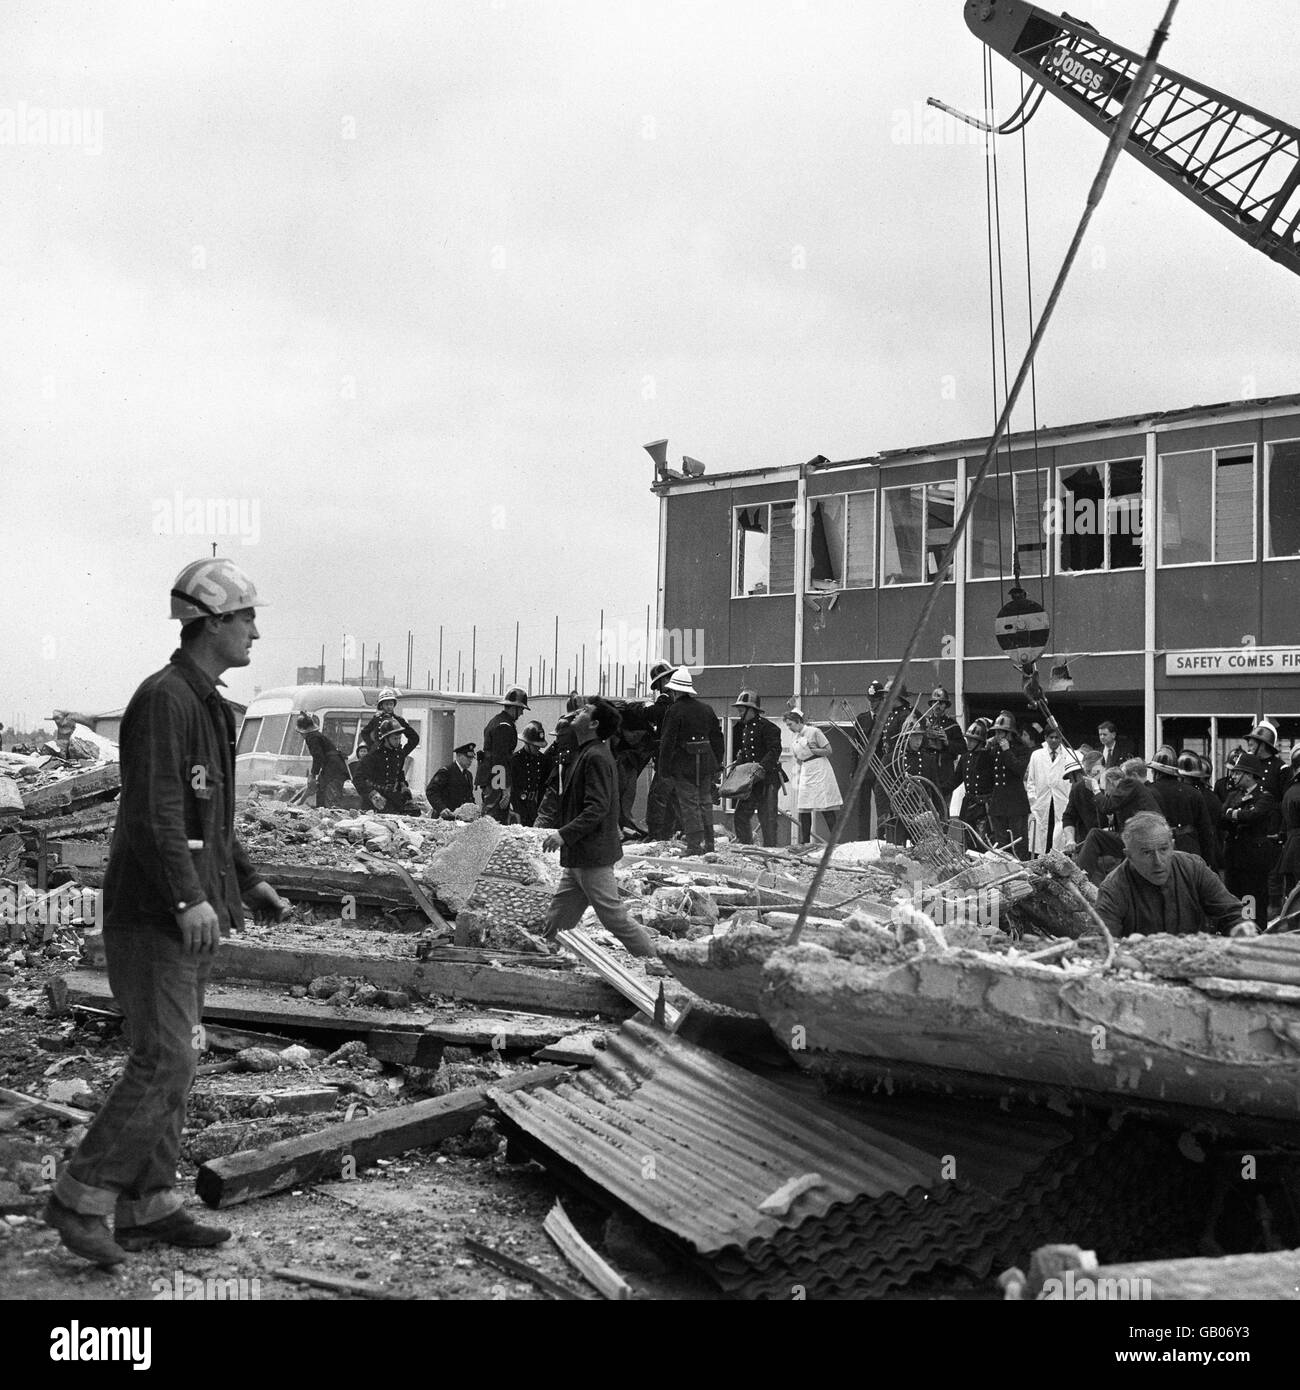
(1234, 661)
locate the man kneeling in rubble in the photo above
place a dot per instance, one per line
(1158, 888)
(588, 837)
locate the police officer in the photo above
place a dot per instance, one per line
(690, 752)
(1251, 824)
(452, 786)
(758, 740)
(1008, 802)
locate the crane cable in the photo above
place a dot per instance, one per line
(1119, 136)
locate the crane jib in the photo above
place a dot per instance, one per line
(1237, 163)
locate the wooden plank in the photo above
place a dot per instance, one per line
(519, 1270)
(1247, 989)
(93, 820)
(335, 1283)
(625, 983)
(67, 792)
(46, 1107)
(304, 1100)
(318, 883)
(240, 1177)
(412, 887)
(76, 855)
(575, 1049)
(606, 1280)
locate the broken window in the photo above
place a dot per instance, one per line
(1207, 507)
(1098, 516)
(1009, 522)
(1283, 520)
(842, 541)
(916, 526)
(765, 549)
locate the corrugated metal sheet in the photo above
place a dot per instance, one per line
(694, 1144)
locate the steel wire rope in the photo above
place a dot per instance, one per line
(1119, 136)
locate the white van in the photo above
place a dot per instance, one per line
(270, 746)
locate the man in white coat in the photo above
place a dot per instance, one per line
(1047, 782)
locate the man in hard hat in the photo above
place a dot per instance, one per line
(975, 772)
(452, 786)
(944, 743)
(558, 757)
(176, 875)
(1252, 829)
(528, 769)
(690, 752)
(380, 777)
(588, 835)
(385, 708)
(757, 740)
(500, 738)
(329, 768)
(1262, 742)
(661, 815)
(865, 722)
(1157, 888)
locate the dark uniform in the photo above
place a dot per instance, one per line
(1288, 866)
(661, 815)
(975, 770)
(946, 745)
(499, 740)
(381, 770)
(527, 781)
(690, 753)
(865, 723)
(1252, 830)
(1184, 808)
(328, 766)
(449, 787)
(888, 826)
(1008, 802)
(759, 741)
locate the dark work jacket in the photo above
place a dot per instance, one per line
(449, 787)
(1289, 864)
(946, 756)
(1008, 799)
(327, 763)
(975, 769)
(759, 741)
(688, 721)
(1129, 797)
(589, 809)
(1193, 900)
(1252, 823)
(370, 734)
(528, 774)
(1271, 782)
(1189, 818)
(177, 749)
(381, 770)
(1081, 809)
(500, 737)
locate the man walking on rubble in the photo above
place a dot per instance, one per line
(588, 836)
(690, 752)
(176, 873)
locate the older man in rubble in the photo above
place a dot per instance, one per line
(1157, 888)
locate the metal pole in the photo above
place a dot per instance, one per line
(439, 653)
(555, 664)
(473, 657)
(582, 679)
(379, 662)
(600, 657)
(363, 664)
(343, 660)
(516, 651)
(460, 685)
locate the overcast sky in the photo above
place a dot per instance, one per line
(412, 283)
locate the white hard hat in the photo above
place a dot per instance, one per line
(387, 693)
(681, 681)
(210, 588)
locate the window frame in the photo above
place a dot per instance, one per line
(1061, 571)
(1268, 501)
(925, 487)
(1047, 551)
(790, 502)
(1214, 451)
(842, 586)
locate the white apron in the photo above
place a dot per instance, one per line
(817, 789)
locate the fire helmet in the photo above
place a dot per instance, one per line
(212, 588)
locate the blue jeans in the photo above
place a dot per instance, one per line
(581, 888)
(127, 1161)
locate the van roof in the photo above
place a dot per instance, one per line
(309, 697)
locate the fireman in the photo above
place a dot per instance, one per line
(528, 771)
(380, 777)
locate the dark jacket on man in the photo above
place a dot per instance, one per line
(500, 736)
(449, 787)
(588, 826)
(759, 741)
(328, 766)
(1129, 797)
(1252, 826)
(690, 745)
(1185, 810)
(1008, 799)
(528, 769)
(382, 770)
(174, 844)
(1081, 809)
(1192, 900)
